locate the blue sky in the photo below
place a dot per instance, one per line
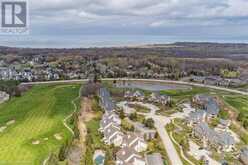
(223, 20)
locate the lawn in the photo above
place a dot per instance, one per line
(139, 108)
(38, 116)
(240, 103)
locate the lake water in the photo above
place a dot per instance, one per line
(151, 86)
(85, 41)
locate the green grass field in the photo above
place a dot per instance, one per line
(38, 114)
(240, 103)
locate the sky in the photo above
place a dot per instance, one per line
(169, 20)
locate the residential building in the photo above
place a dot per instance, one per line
(105, 123)
(223, 141)
(196, 117)
(224, 124)
(134, 141)
(113, 135)
(137, 95)
(128, 156)
(147, 133)
(154, 159)
(158, 98)
(208, 104)
(198, 79)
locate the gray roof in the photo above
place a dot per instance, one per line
(224, 122)
(196, 116)
(125, 153)
(210, 104)
(212, 107)
(106, 121)
(110, 131)
(225, 138)
(130, 137)
(221, 138)
(106, 99)
(154, 159)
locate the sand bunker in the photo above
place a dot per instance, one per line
(58, 136)
(10, 122)
(35, 142)
(2, 128)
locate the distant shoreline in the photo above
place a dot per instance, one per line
(155, 45)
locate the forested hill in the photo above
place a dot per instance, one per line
(179, 49)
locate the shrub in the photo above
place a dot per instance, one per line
(149, 123)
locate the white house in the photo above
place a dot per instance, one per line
(135, 141)
(158, 98)
(109, 119)
(113, 135)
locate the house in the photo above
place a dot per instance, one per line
(128, 156)
(134, 141)
(198, 79)
(200, 99)
(212, 80)
(224, 124)
(154, 159)
(223, 141)
(244, 155)
(105, 100)
(196, 117)
(158, 98)
(147, 133)
(113, 135)
(208, 104)
(105, 123)
(137, 95)
(236, 82)
(212, 108)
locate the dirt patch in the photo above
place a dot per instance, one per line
(36, 142)
(2, 128)
(10, 122)
(86, 114)
(58, 136)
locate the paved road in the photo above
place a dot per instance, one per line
(160, 123)
(147, 80)
(170, 149)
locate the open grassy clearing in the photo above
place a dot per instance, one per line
(39, 117)
(240, 103)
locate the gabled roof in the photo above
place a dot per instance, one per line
(225, 138)
(131, 138)
(139, 93)
(212, 107)
(158, 96)
(221, 138)
(196, 116)
(111, 131)
(126, 154)
(108, 121)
